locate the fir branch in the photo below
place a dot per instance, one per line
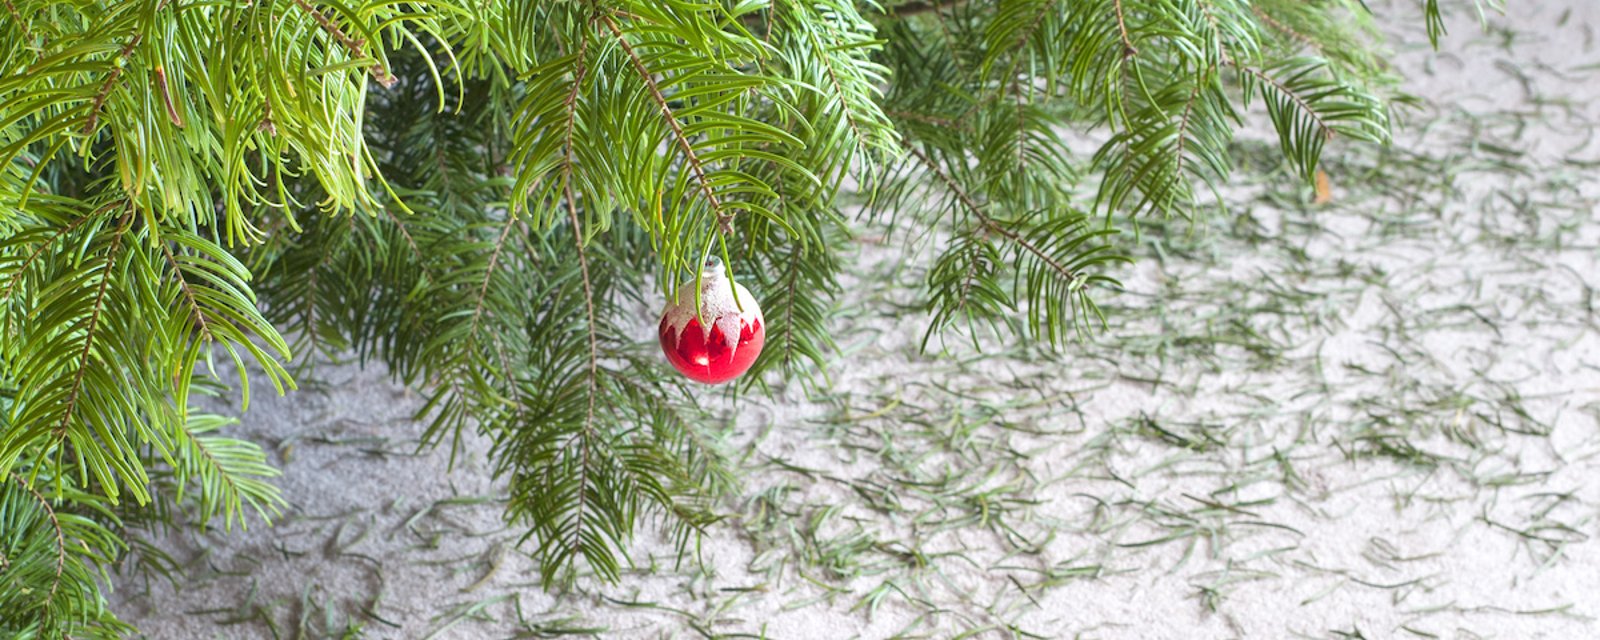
(976, 209)
(100, 96)
(1305, 105)
(839, 94)
(488, 274)
(61, 539)
(188, 293)
(724, 219)
(1285, 29)
(22, 270)
(1183, 124)
(89, 332)
(587, 434)
(1128, 50)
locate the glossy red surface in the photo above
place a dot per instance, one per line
(705, 357)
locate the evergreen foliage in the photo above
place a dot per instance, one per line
(484, 195)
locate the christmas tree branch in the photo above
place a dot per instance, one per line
(724, 218)
(76, 387)
(61, 539)
(988, 222)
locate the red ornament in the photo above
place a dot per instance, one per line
(719, 341)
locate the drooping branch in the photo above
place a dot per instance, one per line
(1305, 107)
(109, 84)
(588, 435)
(43, 246)
(1284, 28)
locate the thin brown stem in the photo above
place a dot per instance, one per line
(17, 276)
(183, 284)
(1128, 50)
(1183, 123)
(483, 288)
(355, 46)
(94, 323)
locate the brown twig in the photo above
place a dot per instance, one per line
(183, 284)
(111, 80)
(17, 275)
(352, 45)
(1128, 50)
(1183, 123)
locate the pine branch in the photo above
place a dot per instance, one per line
(1306, 108)
(22, 270)
(724, 219)
(488, 274)
(977, 210)
(1128, 50)
(587, 437)
(61, 539)
(89, 333)
(1285, 29)
(100, 96)
(188, 293)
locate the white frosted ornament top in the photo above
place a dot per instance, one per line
(718, 307)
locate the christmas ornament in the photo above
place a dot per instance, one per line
(718, 341)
